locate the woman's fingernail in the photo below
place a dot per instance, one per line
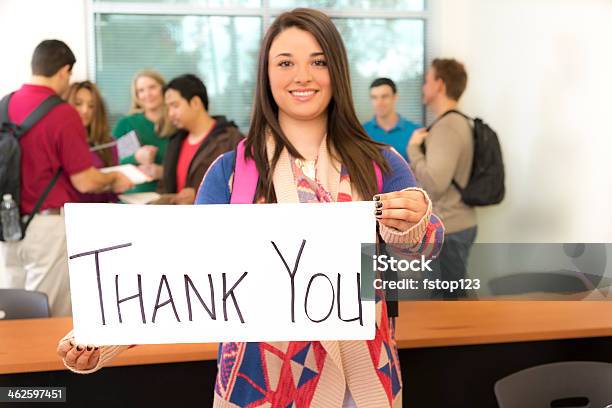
(378, 213)
(379, 204)
(89, 348)
(79, 348)
(95, 348)
(376, 198)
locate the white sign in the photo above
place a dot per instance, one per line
(145, 274)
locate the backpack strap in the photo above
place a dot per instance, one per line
(4, 105)
(245, 177)
(446, 113)
(41, 110)
(453, 182)
(37, 114)
(19, 130)
(41, 199)
(379, 176)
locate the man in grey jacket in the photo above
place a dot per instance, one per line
(447, 156)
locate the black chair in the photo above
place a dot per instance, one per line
(23, 304)
(588, 275)
(571, 384)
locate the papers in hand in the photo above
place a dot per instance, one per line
(102, 146)
(139, 198)
(132, 172)
(128, 144)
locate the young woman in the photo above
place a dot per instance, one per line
(308, 146)
(148, 118)
(86, 99)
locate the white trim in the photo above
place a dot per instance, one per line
(90, 33)
(266, 16)
(361, 13)
(172, 9)
(432, 49)
(388, 14)
(263, 11)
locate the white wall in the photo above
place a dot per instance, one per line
(539, 73)
(25, 23)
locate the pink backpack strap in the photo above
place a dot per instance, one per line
(379, 177)
(245, 177)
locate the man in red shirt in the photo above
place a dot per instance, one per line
(201, 138)
(58, 141)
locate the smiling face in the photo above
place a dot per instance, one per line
(84, 104)
(149, 93)
(299, 77)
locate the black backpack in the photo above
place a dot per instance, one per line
(10, 153)
(486, 183)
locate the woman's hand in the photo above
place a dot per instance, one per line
(401, 209)
(146, 154)
(121, 183)
(155, 171)
(79, 357)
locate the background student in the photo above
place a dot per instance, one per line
(201, 138)
(149, 119)
(387, 126)
(447, 159)
(57, 144)
(86, 99)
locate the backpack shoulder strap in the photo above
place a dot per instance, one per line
(453, 182)
(42, 199)
(379, 176)
(4, 106)
(245, 177)
(460, 113)
(38, 113)
(446, 113)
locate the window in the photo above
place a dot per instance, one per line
(219, 41)
(399, 55)
(222, 50)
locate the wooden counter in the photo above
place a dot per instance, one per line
(30, 345)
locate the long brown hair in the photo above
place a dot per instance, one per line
(163, 127)
(345, 135)
(98, 131)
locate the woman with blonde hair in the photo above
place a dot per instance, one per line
(86, 99)
(149, 119)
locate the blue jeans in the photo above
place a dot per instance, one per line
(451, 263)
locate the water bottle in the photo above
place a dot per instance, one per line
(9, 214)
